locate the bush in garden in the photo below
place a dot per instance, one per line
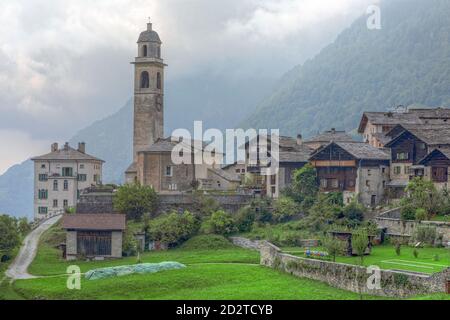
(425, 234)
(245, 218)
(130, 245)
(421, 214)
(173, 228)
(416, 253)
(135, 201)
(398, 248)
(333, 246)
(220, 223)
(284, 209)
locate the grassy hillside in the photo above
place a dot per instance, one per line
(406, 62)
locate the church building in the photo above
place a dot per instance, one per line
(152, 162)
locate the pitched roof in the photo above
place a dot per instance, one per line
(431, 113)
(132, 168)
(444, 151)
(66, 153)
(110, 222)
(167, 145)
(388, 118)
(300, 154)
(225, 175)
(364, 151)
(331, 135)
(437, 135)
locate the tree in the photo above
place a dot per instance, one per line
(135, 200)
(9, 234)
(24, 226)
(333, 246)
(173, 228)
(360, 241)
(304, 187)
(284, 209)
(220, 223)
(354, 213)
(423, 194)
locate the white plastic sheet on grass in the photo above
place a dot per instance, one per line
(132, 269)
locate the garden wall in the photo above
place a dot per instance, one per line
(353, 278)
(178, 202)
(400, 227)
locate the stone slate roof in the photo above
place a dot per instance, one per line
(149, 35)
(132, 168)
(443, 151)
(167, 145)
(439, 135)
(67, 153)
(383, 138)
(435, 113)
(364, 151)
(105, 222)
(329, 136)
(300, 154)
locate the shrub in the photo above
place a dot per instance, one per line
(354, 212)
(9, 234)
(421, 214)
(245, 219)
(284, 209)
(425, 234)
(207, 242)
(333, 246)
(416, 253)
(436, 257)
(220, 222)
(130, 245)
(173, 228)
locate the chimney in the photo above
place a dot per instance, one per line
(54, 147)
(333, 130)
(66, 146)
(82, 147)
(299, 139)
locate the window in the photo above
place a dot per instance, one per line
(397, 170)
(274, 190)
(273, 179)
(82, 166)
(422, 146)
(169, 171)
(42, 166)
(66, 203)
(238, 170)
(406, 170)
(66, 185)
(67, 172)
(43, 177)
(82, 177)
(323, 183)
(158, 80)
(384, 184)
(334, 183)
(55, 185)
(55, 203)
(43, 194)
(42, 210)
(383, 170)
(78, 193)
(439, 174)
(145, 80)
(144, 51)
(159, 52)
(402, 156)
(96, 178)
(368, 183)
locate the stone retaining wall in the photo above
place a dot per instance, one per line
(181, 202)
(407, 228)
(353, 278)
(246, 243)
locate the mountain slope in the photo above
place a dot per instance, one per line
(406, 62)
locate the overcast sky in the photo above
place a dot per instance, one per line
(65, 64)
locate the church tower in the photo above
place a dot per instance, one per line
(148, 91)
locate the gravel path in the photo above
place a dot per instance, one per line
(19, 268)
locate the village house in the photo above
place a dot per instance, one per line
(409, 154)
(358, 170)
(60, 176)
(437, 164)
(374, 126)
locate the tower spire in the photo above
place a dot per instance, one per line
(149, 24)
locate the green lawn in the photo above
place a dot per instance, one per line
(386, 258)
(441, 218)
(202, 282)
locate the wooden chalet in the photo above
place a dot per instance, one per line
(354, 168)
(437, 164)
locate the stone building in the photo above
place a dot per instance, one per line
(152, 153)
(356, 169)
(413, 154)
(95, 236)
(61, 175)
(148, 96)
(375, 125)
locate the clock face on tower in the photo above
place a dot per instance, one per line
(158, 103)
